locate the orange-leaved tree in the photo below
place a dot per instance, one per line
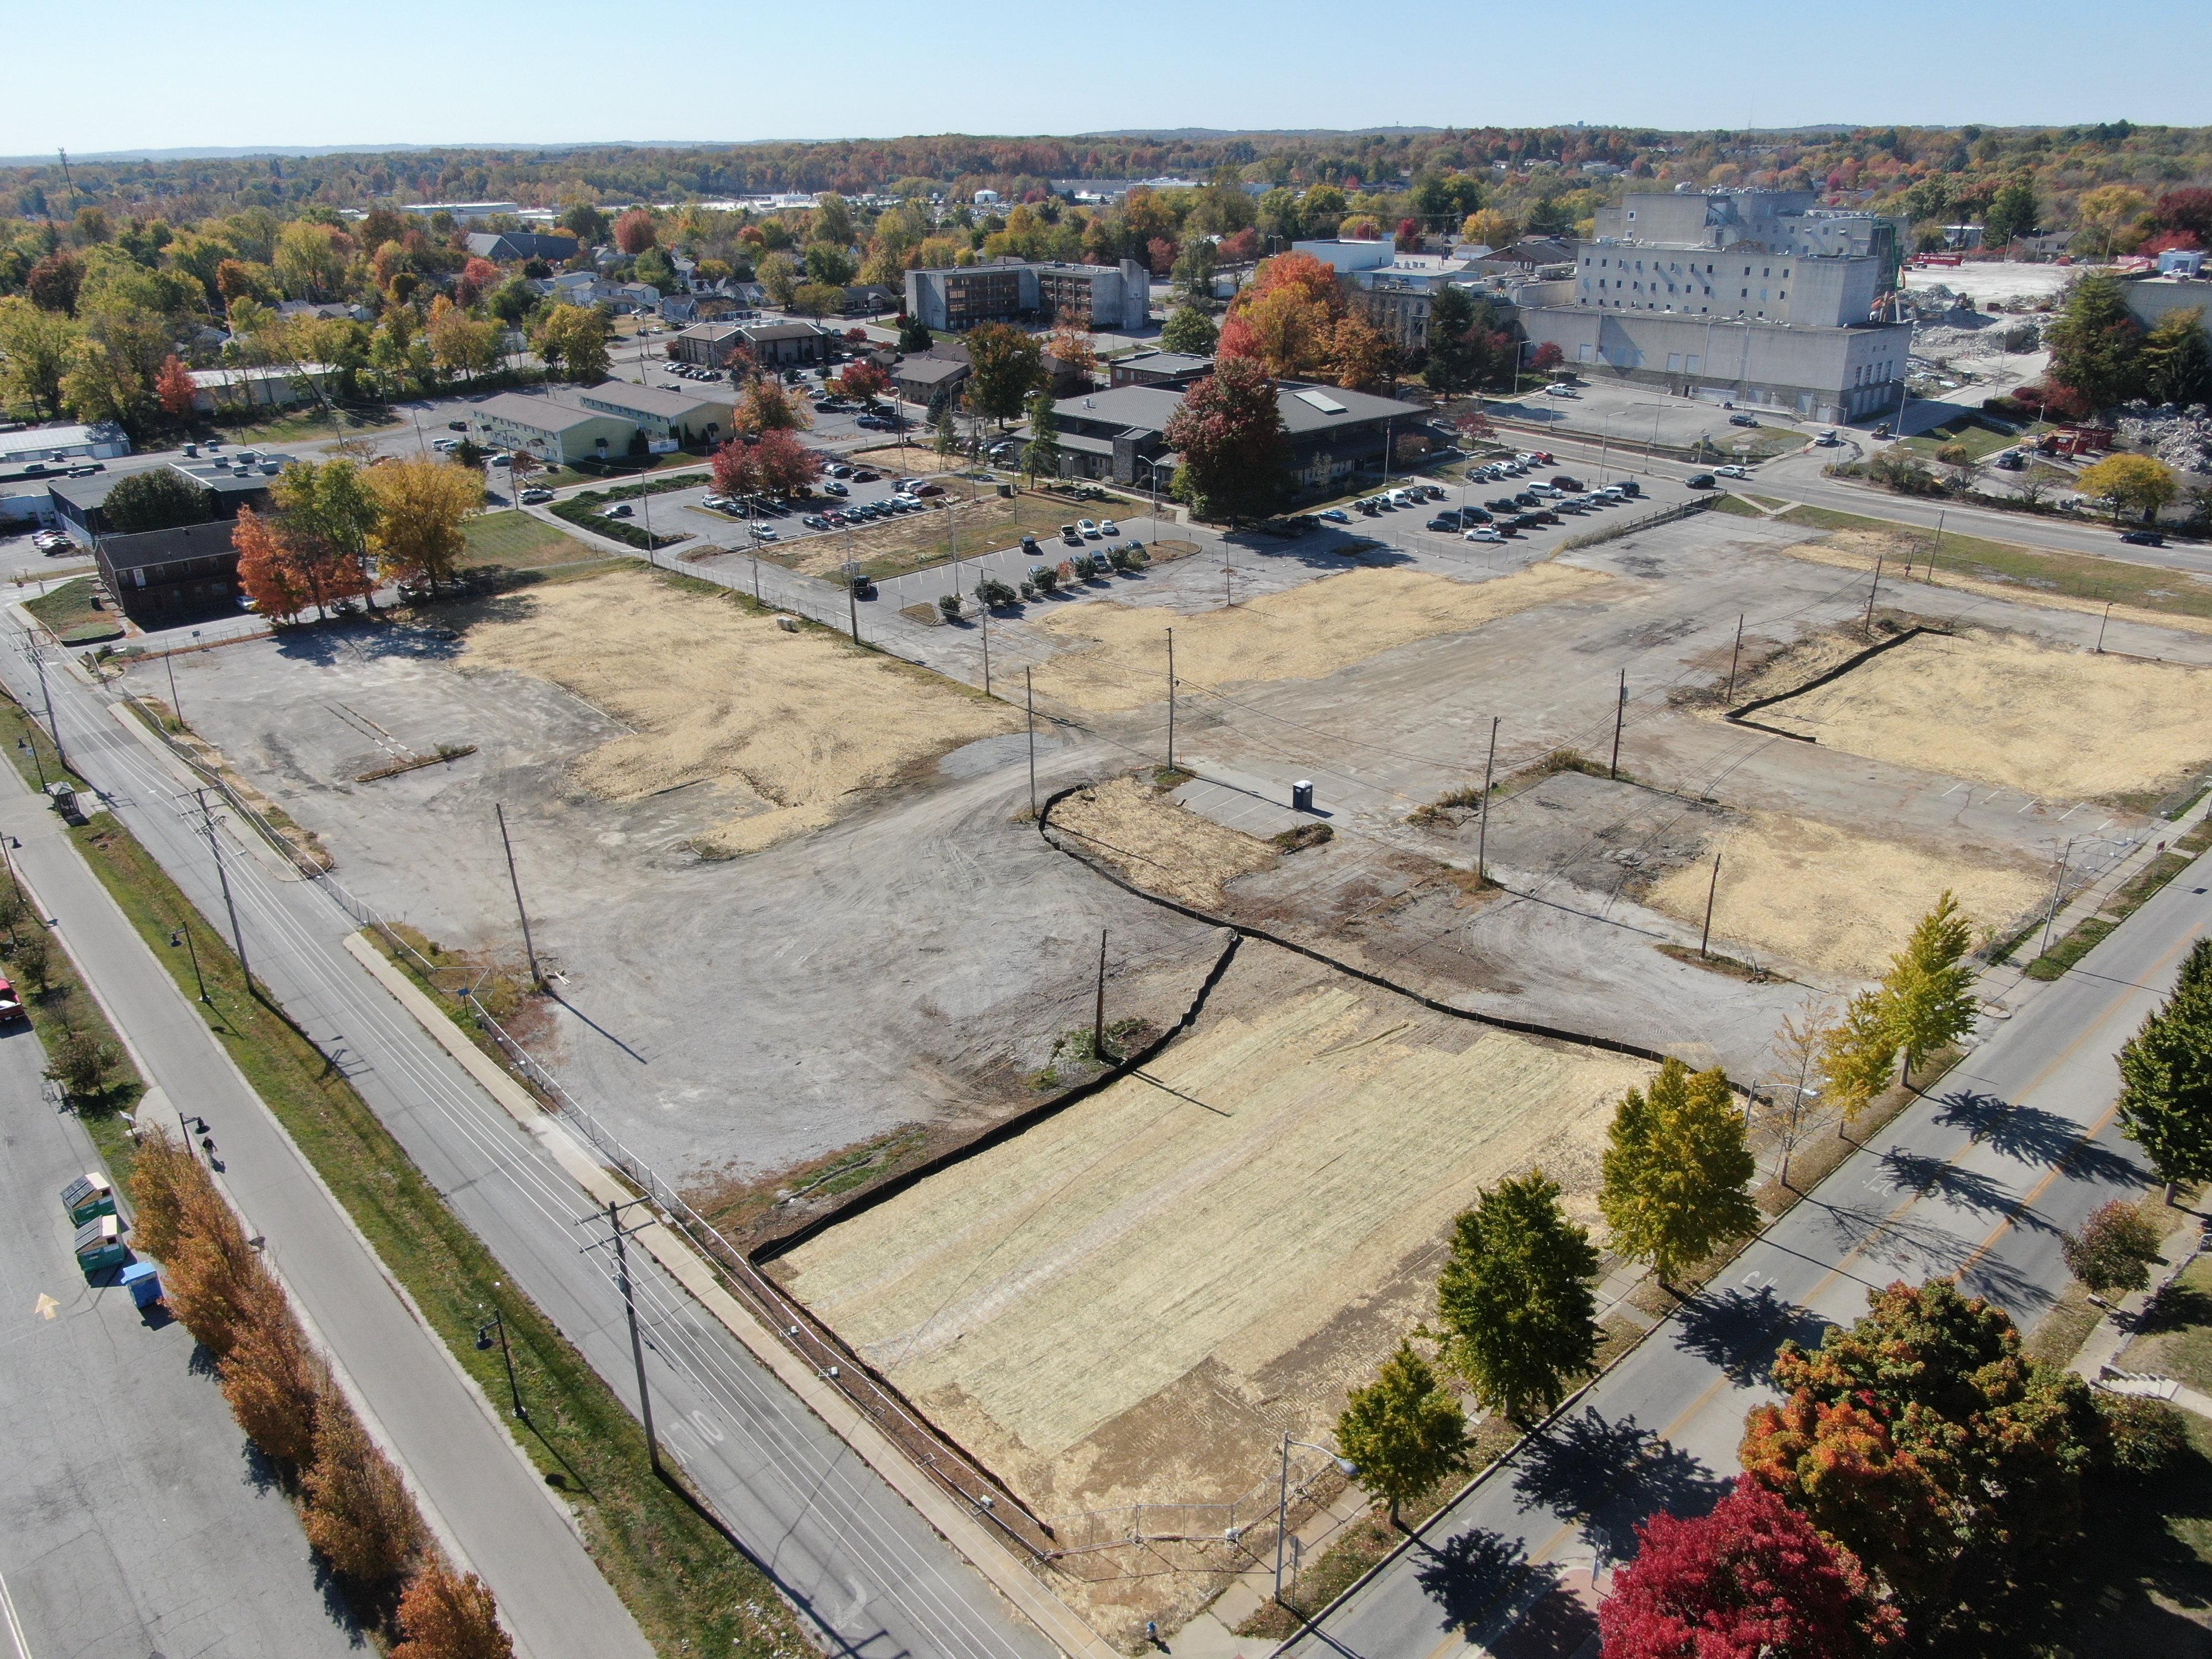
(449, 1616)
(173, 386)
(267, 570)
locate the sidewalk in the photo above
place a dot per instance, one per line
(478, 1491)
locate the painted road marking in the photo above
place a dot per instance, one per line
(46, 1305)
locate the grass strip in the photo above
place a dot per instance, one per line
(688, 1589)
(1737, 505)
(2082, 936)
(2076, 576)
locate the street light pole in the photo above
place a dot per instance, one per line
(498, 1321)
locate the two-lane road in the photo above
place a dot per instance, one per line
(1979, 1178)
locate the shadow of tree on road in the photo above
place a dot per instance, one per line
(1471, 1575)
(2035, 1136)
(1738, 1330)
(1608, 1475)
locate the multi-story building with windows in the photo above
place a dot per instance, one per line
(1751, 297)
(959, 297)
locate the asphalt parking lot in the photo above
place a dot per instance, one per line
(686, 509)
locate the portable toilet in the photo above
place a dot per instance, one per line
(99, 1244)
(87, 1196)
(143, 1280)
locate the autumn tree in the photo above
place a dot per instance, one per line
(788, 466)
(1858, 1055)
(358, 1512)
(422, 506)
(1286, 316)
(863, 378)
(1925, 1441)
(271, 1379)
(267, 570)
(2115, 1249)
(1361, 356)
(161, 1169)
(815, 299)
(766, 405)
(327, 512)
(1677, 1170)
(1929, 988)
(1071, 348)
(2140, 484)
(1749, 1579)
(734, 469)
(477, 278)
(173, 387)
(446, 1615)
(214, 1278)
(1404, 1430)
(1004, 364)
(81, 1062)
(1236, 455)
(1514, 1296)
(635, 232)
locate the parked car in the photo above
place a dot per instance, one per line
(927, 490)
(1563, 482)
(1561, 392)
(1482, 533)
(815, 521)
(1088, 528)
(1701, 481)
(865, 476)
(451, 426)
(1741, 419)
(1108, 527)
(1071, 535)
(1443, 522)
(1630, 487)
(1337, 515)
(1544, 491)
(446, 446)
(833, 488)
(533, 497)
(11, 1005)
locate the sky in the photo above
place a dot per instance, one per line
(131, 74)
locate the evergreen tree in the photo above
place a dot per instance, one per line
(1678, 1170)
(1459, 355)
(946, 435)
(1516, 1297)
(914, 335)
(2177, 360)
(1404, 1430)
(2095, 343)
(1929, 988)
(2011, 213)
(1040, 455)
(2165, 1085)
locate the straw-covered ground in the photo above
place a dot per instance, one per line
(786, 727)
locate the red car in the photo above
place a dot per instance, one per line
(11, 1005)
(924, 489)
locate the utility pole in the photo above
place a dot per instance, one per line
(1871, 592)
(222, 878)
(2106, 617)
(1171, 699)
(1029, 690)
(985, 607)
(1734, 657)
(1098, 1009)
(529, 950)
(2057, 888)
(852, 605)
(1936, 552)
(629, 1308)
(1705, 938)
(177, 708)
(1482, 834)
(1620, 714)
(47, 696)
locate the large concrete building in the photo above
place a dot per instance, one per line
(1752, 297)
(958, 298)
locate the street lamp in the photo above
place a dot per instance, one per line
(1283, 1497)
(184, 936)
(498, 1322)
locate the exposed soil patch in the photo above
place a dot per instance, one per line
(1308, 632)
(786, 726)
(1160, 845)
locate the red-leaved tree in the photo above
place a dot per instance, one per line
(1409, 236)
(865, 380)
(267, 569)
(477, 278)
(1161, 253)
(1238, 249)
(1751, 1580)
(736, 471)
(787, 465)
(1547, 357)
(635, 232)
(173, 386)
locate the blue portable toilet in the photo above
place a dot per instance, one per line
(143, 1280)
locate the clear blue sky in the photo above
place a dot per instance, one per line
(129, 74)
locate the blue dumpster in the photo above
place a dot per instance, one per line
(143, 1280)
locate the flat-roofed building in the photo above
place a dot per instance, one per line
(558, 434)
(1099, 297)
